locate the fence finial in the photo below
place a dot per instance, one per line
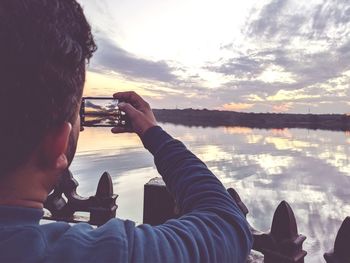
(341, 251)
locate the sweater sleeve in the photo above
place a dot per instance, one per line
(212, 228)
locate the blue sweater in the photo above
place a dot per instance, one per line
(212, 228)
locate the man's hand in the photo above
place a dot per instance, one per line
(138, 111)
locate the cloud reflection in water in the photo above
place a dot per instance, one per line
(309, 169)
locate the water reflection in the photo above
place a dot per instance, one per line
(309, 169)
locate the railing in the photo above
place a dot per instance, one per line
(282, 244)
(64, 202)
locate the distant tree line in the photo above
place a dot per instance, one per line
(215, 118)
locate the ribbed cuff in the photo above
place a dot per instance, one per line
(154, 138)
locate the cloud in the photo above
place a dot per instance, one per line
(111, 58)
(268, 20)
(291, 47)
(330, 15)
(248, 66)
(291, 56)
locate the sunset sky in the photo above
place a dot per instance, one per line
(252, 55)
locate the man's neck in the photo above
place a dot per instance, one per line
(28, 189)
(22, 194)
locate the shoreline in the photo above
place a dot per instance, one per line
(216, 118)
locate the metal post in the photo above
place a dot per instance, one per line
(105, 207)
(282, 244)
(341, 251)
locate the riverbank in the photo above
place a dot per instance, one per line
(216, 118)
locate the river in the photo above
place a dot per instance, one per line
(310, 169)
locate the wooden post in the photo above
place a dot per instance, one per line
(158, 205)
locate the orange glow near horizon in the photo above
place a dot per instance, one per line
(237, 106)
(283, 107)
(98, 84)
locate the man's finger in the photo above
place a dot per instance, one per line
(121, 130)
(129, 96)
(130, 111)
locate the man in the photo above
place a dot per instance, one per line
(44, 47)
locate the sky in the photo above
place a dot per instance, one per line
(253, 56)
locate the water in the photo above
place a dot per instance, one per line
(309, 169)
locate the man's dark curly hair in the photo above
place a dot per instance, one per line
(44, 48)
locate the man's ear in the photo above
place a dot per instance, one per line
(54, 147)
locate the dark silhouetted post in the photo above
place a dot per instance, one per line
(105, 207)
(341, 251)
(158, 204)
(283, 244)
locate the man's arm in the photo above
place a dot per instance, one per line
(212, 228)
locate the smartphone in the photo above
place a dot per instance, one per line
(102, 112)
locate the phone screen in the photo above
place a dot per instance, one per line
(101, 112)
